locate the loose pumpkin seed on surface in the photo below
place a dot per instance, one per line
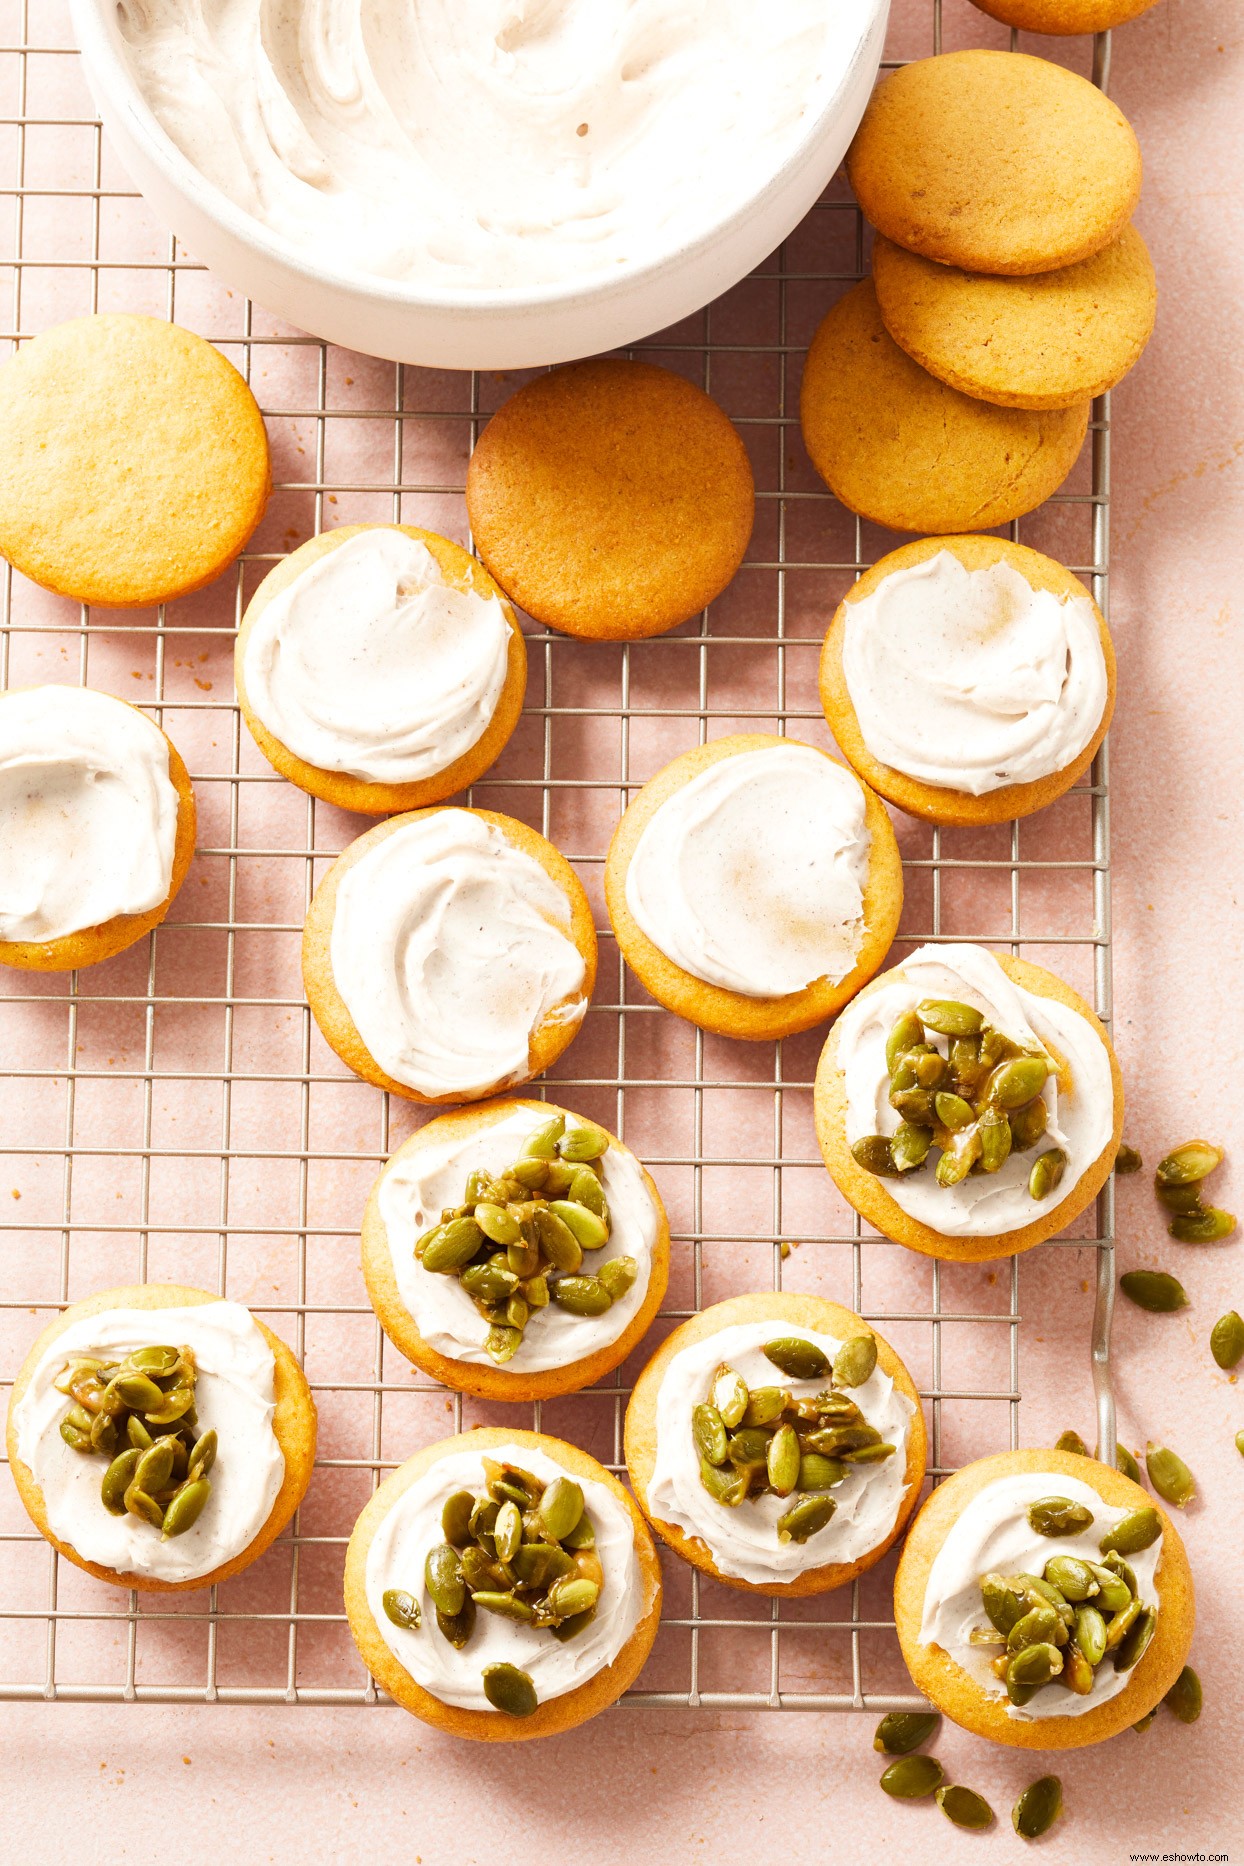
(1142, 1723)
(911, 1778)
(1127, 1160)
(1038, 1808)
(1206, 1225)
(1169, 1476)
(1184, 1699)
(1226, 1341)
(1154, 1290)
(899, 1732)
(1187, 1164)
(965, 1807)
(1071, 1441)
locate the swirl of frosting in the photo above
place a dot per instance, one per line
(992, 1534)
(1079, 1097)
(370, 663)
(236, 1396)
(971, 680)
(396, 1559)
(743, 1540)
(751, 875)
(488, 143)
(88, 812)
(450, 947)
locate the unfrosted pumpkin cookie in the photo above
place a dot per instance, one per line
(502, 1655)
(968, 1104)
(1079, 1657)
(380, 667)
(969, 680)
(448, 954)
(1064, 16)
(905, 450)
(159, 1437)
(753, 885)
(775, 1442)
(135, 461)
(97, 825)
(550, 1268)
(611, 499)
(995, 162)
(1051, 340)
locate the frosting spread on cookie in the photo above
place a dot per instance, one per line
(751, 875)
(742, 1539)
(1079, 1097)
(992, 1533)
(450, 948)
(88, 812)
(370, 663)
(236, 1396)
(417, 1185)
(971, 680)
(412, 1525)
(488, 143)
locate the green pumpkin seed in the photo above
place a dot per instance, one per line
(1169, 1476)
(1138, 1530)
(506, 1606)
(909, 1148)
(1127, 1160)
(1017, 1082)
(509, 1690)
(965, 1808)
(855, 1361)
(457, 1627)
(618, 1276)
(959, 1158)
(749, 1447)
(870, 1454)
(949, 1017)
(729, 1485)
(117, 1480)
(498, 1223)
(1047, 1173)
(1184, 1698)
(1071, 1441)
(1091, 1634)
(1037, 1627)
(803, 1521)
(508, 1531)
(75, 1436)
(154, 1467)
(541, 1143)
(1077, 1673)
(532, 1176)
(1180, 1198)
(1116, 1565)
(451, 1247)
(186, 1507)
(729, 1397)
(586, 1190)
(539, 1564)
(916, 1107)
(135, 1391)
(400, 1607)
(765, 1405)
(905, 1035)
(1121, 1623)
(899, 1732)
(442, 1577)
(953, 1112)
(145, 1507)
(159, 1362)
(1073, 1578)
(1113, 1591)
(1186, 1165)
(560, 1508)
(1142, 1723)
(797, 1358)
(202, 1456)
(873, 1153)
(536, 1292)
(1005, 1600)
(708, 1434)
(819, 1473)
(590, 1231)
(1208, 1226)
(1226, 1341)
(1028, 1124)
(911, 1778)
(1058, 1516)
(502, 1343)
(996, 1139)
(1135, 1641)
(1239, 1442)
(572, 1596)
(783, 1461)
(1154, 1291)
(456, 1518)
(1032, 1667)
(1038, 1808)
(581, 1295)
(557, 1240)
(585, 1142)
(1125, 1462)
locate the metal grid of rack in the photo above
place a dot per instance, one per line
(175, 1113)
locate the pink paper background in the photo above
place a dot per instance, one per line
(276, 1782)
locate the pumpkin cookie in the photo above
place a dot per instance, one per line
(776, 1443)
(968, 1104)
(753, 885)
(448, 954)
(562, 1283)
(901, 448)
(969, 680)
(135, 464)
(995, 162)
(1052, 340)
(97, 826)
(381, 668)
(1102, 1639)
(159, 1437)
(611, 500)
(502, 1656)
(1064, 16)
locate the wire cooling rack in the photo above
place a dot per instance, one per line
(174, 1115)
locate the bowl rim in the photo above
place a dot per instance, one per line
(98, 38)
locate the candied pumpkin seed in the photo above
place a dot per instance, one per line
(949, 1017)
(899, 1732)
(1208, 1225)
(1135, 1641)
(1091, 1633)
(1127, 1160)
(1071, 1441)
(808, 1516)
(1187, 1164)
(873, 1153)
(1047, 1173)
(1138, 1529)
(797, 1358)
(1169, 1475)
(400, 1607)
(510, 1690)
(560, 1508)
(1038, 1808)
(855, 1361)
(1058, 1516)
(965, 1807)
(913, 1777)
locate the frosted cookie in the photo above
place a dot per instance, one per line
(611, 499)
(97, 825)
(1050, 340)
(1064, 16)
(777, 1443)
(968, 1104)
(135, 464)
(448, 954)
(159, 1437)
(550, 1267)
(995, 162)
(491, 1651)
(753, 885)
(1043, 1600)
(380, 667)
(969, 680)
(905, 450)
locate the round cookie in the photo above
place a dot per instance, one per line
(554, 1714)
(610, 499)
(1064, 16)
(461, 571)
(294, 1425)
(867, 1193)
(959, 1696)
(329, 1008)
(905, 450)
(712, 1006)
(91, 945)
(483, 1378)
(933, 803)
(798, 1311)
(996, 162)
(135, 464)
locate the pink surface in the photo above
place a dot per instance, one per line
(276, 1782)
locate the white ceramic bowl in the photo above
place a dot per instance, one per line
(434, 325)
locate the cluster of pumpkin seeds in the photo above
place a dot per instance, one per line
(139, 1413)
(768, 1441)
(519, 1548)
(978, 1101)
(913, 1778)
(518, 1239)
(1178, 1183)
